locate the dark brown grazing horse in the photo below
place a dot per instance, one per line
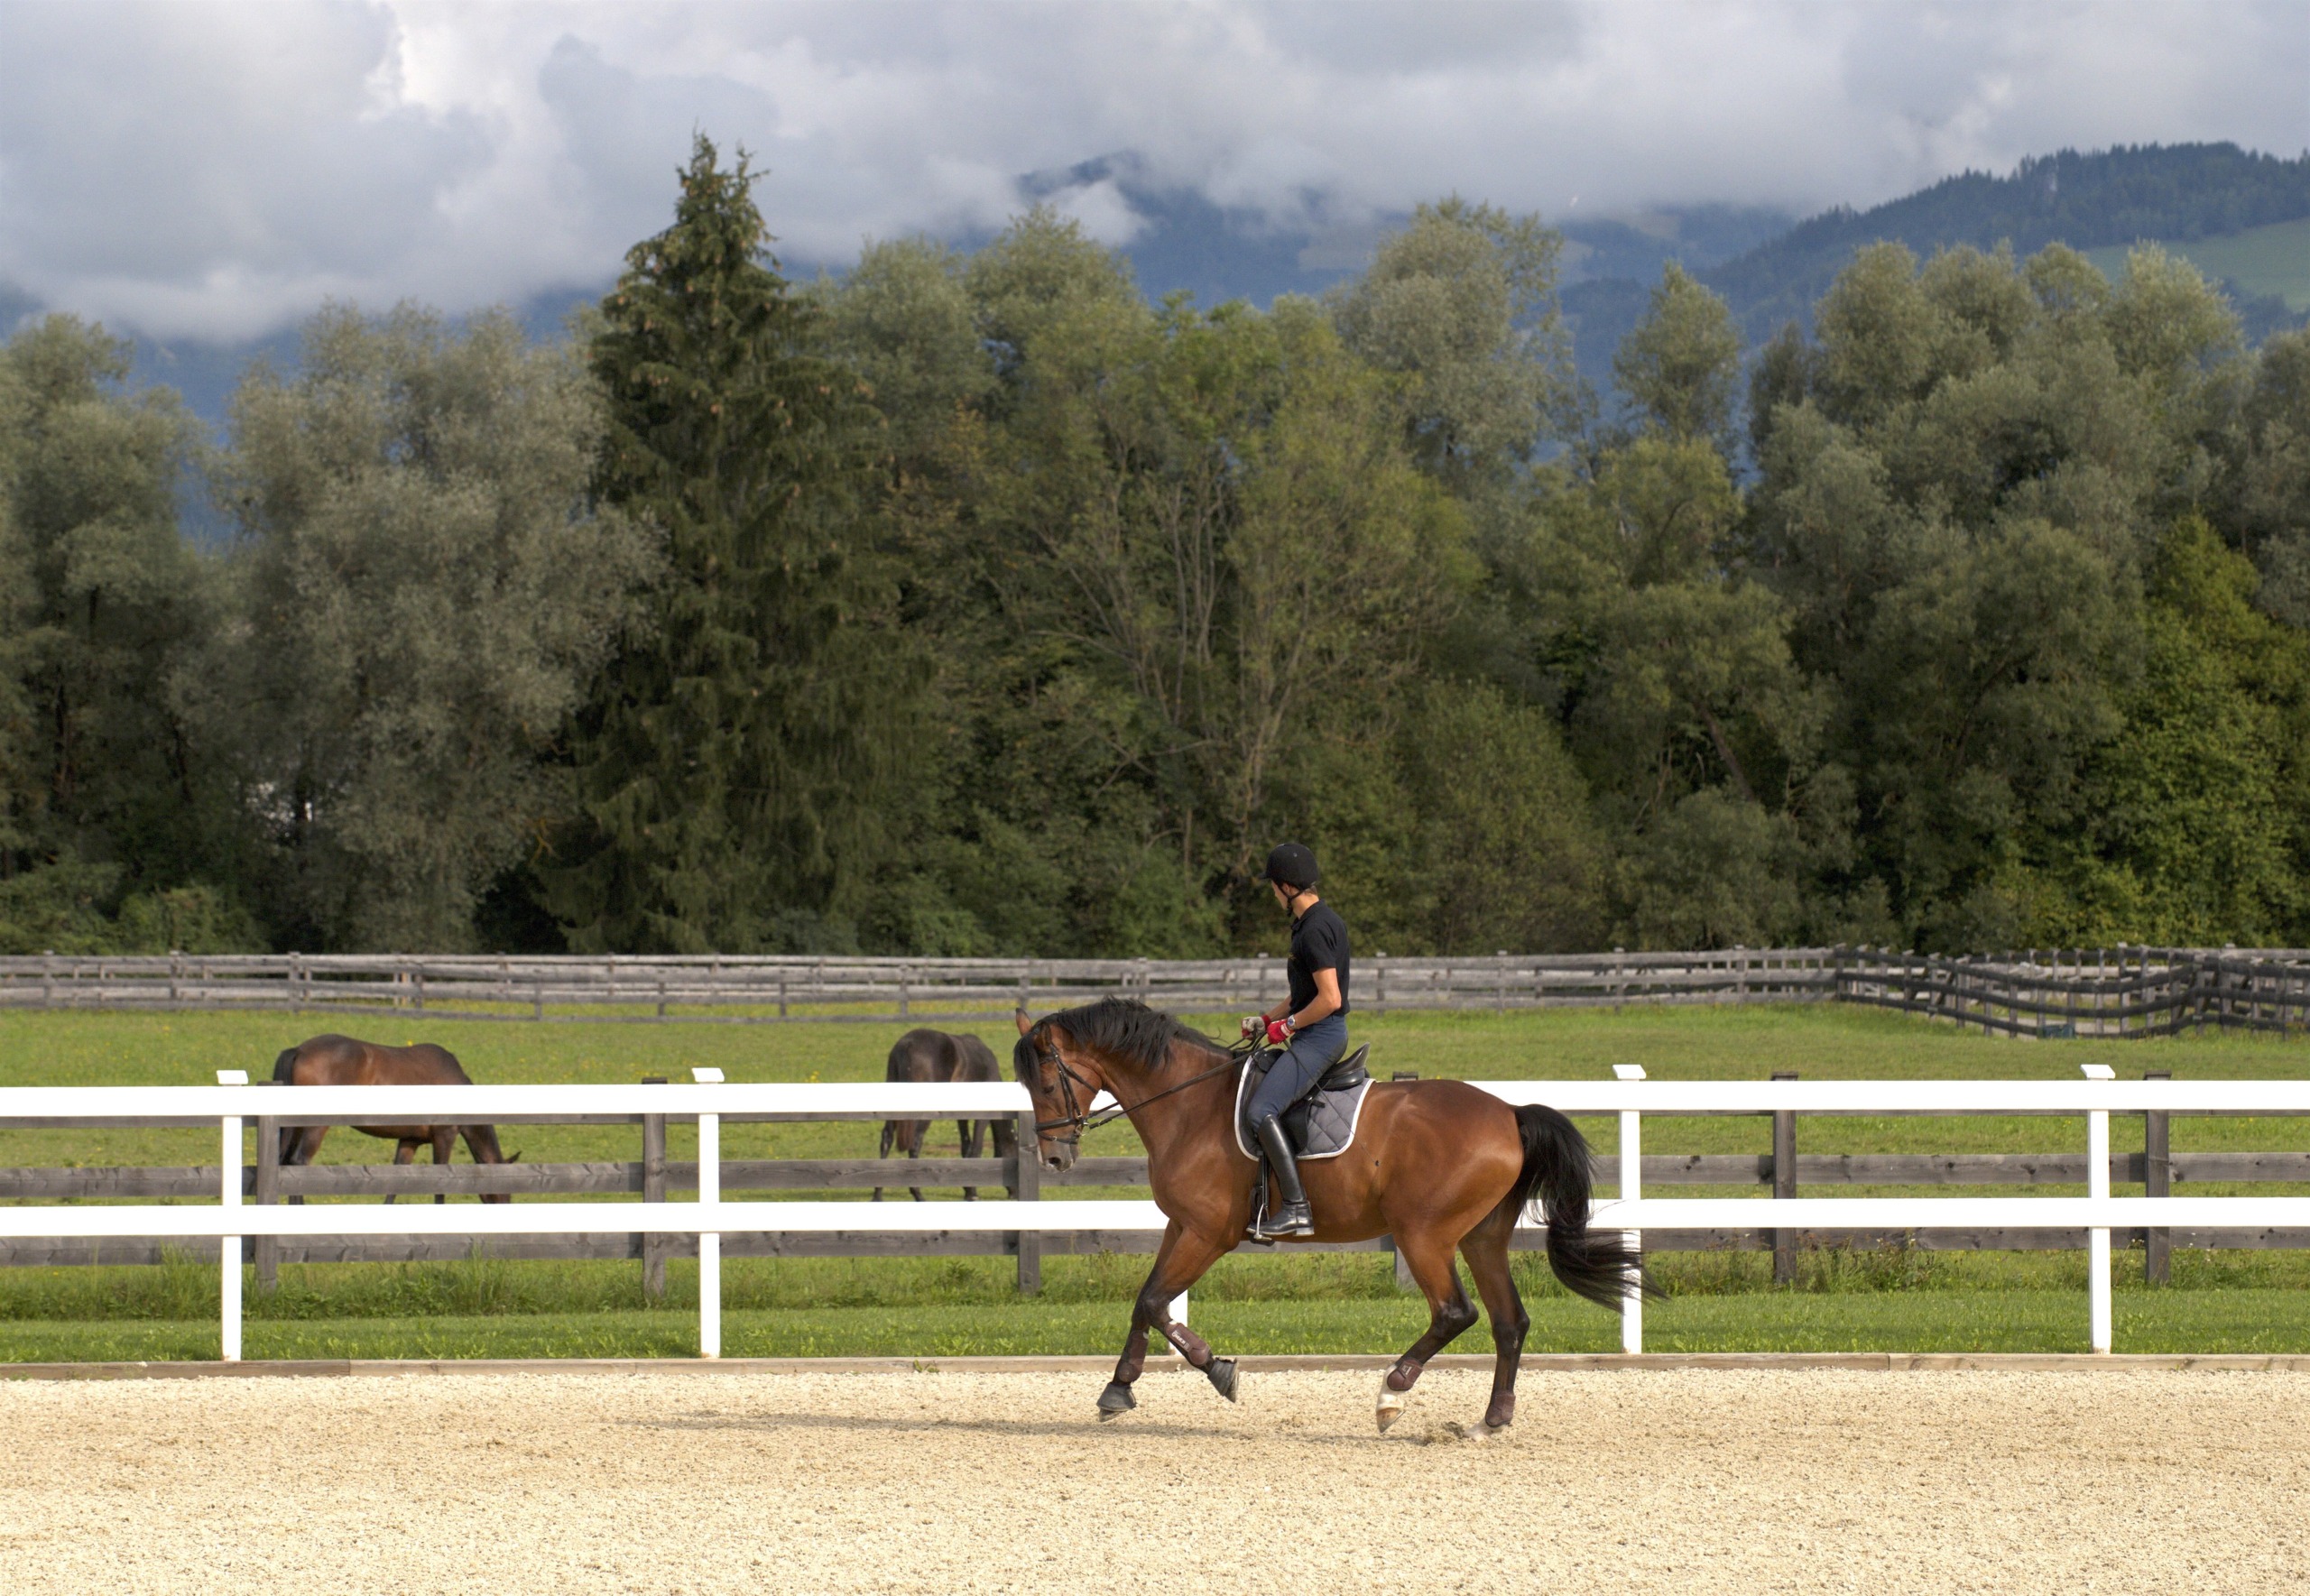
(1440, 1165)
(340, 1061)
(926, 1055)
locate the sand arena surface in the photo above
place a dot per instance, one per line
(1680, 1481)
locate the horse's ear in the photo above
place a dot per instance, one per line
(1025, 1024)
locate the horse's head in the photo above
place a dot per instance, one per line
(1061, 1082)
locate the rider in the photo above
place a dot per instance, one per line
(1310, 1025)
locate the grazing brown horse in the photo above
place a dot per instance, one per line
(1440, 1165)
(926, 1055)
(340, 1061)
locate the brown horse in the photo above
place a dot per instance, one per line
(340, 1061)
(926, 1055)
(1440, 1165)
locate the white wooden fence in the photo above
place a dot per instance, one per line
(708, 1101)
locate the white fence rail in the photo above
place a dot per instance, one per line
(1629, 1097)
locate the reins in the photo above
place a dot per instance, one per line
(1083, 1122)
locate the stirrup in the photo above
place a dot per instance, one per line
(1293, 1219)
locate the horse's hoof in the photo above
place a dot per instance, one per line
(1483, 1430)
(1115, 1401)
(1222, 1375)
(1391, 1408)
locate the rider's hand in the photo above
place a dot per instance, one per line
(1277, 1033)
(1253, 1024)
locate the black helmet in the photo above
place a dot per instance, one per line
(1290, 865)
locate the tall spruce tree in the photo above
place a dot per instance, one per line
(737, 762)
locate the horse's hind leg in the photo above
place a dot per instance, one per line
(1179, 1262)
(1486, 1251)
(298, 1143)
(1429, 1257)
(445, 1142)
(972, 1135)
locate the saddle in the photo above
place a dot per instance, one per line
(1322, 1121)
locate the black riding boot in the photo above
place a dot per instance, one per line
(1286, 1210)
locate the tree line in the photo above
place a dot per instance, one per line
(969, 602)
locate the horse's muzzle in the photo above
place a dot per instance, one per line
(1059, 1158)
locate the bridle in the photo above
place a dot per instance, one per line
(1080, 1119)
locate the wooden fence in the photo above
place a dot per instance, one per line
(2119, 992)
(1023, 1222)
(655, 1177)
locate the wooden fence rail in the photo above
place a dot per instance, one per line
(200, 1181)
(1024, 1224)
(613, 1177)
(2120, 992)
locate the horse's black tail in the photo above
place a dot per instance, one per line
(283, 1065)
(1595, 1264)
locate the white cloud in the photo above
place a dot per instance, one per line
(216, 169)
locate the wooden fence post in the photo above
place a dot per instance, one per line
(653, 1190)
(267, 1193)
(1784, 1185)
(1027, 1176)
(2157, 1181)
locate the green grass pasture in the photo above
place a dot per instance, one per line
(1900, 1299)
(2272, 260)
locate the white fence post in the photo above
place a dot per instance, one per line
(709, 1243)
(228, 1249)
(1631, 1188)
(2097, 1185)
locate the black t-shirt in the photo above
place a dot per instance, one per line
(1318, 942)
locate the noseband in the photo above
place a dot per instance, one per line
(1077, 1119)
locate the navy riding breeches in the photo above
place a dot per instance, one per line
(1313, 1050)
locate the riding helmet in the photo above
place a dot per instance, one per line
(1289, 865)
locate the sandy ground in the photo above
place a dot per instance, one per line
(1682, 1481)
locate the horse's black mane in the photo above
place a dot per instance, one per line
(1129, 1030)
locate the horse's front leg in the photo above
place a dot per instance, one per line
(890, 1133)
(403, 1153)
(445, 1143)
(1179, 1262)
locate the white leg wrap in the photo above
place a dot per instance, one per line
(1391, 1404)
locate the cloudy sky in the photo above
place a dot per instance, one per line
(213, 170)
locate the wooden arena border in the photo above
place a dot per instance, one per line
(230, 1104)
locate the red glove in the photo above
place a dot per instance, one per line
(1279, 1032)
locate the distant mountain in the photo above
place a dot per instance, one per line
(1767, 264)
(2112, 197)
(1182, 241)
(2100, 203)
